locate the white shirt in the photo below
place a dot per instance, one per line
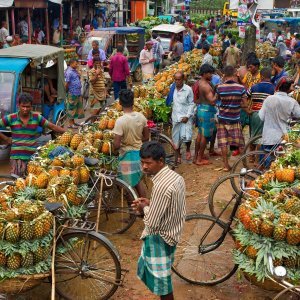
(183, 104)
(24, 28)
(3, 35)
(207, 59)
(275, 112)
(145, 57)
(270, 37)
(41, 36)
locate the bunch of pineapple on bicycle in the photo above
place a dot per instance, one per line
(259, 221)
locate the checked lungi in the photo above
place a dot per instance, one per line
(154, 265)
(74, 107)
(130, 167)
(230, 135)
(206, 120)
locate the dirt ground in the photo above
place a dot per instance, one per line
(198, 183)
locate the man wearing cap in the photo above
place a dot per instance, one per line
(3, 34)
(9, 41)
(147, 61)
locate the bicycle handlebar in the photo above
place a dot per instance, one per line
(243, 173)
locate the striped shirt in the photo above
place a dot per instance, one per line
(97, 88)
(166, 213)
(23, 136)
(258, 93)
(230, 95)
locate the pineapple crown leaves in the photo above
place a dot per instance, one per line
(27, 194)
(263, 207)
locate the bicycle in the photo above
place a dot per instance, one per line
(197, 261)
(278, 275)
(86, 264)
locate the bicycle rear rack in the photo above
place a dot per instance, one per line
(81, 225)
(106, 172)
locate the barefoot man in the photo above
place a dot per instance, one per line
(205, 113)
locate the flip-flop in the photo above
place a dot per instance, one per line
(203, 163)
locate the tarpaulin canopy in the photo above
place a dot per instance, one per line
(39, 55)
(17, 66)
(6, 3)
(56, 1)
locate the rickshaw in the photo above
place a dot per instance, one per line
(108, 38)
(26, 68)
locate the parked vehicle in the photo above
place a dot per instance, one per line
(26, 68)
(166, 32)
(108, 38)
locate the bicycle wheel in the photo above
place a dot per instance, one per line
(255, 160)
(221, 193)
(86, 267)
(252, 143)
(168, 145)
(116, 214)
(203, 269)
(7, 180)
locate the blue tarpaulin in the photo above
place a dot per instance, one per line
(13, 64)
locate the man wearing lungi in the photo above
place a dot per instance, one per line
(183, 110)
(206, 111)
(232, 97)
(164, 216)
(130, 131)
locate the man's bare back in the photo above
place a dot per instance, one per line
(206, 93)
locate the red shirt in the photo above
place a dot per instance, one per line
(118, 67)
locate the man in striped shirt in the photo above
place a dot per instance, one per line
(164, 217)
(24, 133)
(257, 94)
(232, 97)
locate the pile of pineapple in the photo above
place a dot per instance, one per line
(189, 62)
(26, 235)
(270, 222)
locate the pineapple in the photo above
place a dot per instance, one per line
(288, 175)
(10, 215)
(65, 172)
(78, 160)
(71, 194)
(57, 162)
(12, 232)
(2, 228)
(13, 261)
(53, 173)
(20, 184)
(81, 146)
(39, 255)
(2, 259)
(65, 138)
(254, 225)
(277, 262)
(34, 168)
(26, 230)
(103, 123)
(293, 236)
(292, 262)
(31, 180)
(285, 219)
(41, 194)
(251, 252)
(68, 163)
(97, 144)
(98, 135)
(76, 139)
(42, 180)
(48, 222)
(75, 174)
(38, 228)
(239, 246)
(266, 228)
(84, 174)
(106, 147)
(27, 260)
(111, 123)
(279, 233)
(292, 205)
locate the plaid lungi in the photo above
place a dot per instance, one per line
(230, 135)
(74, 107)
(206, 120)
(130, 167)
(154, 265)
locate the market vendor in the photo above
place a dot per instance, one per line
(130, 131)
(102, 55)
(147, 61)
(24, 132)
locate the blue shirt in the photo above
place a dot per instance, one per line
(101, 55)
(187, 43)
(216, 79)
(276, 78)
(72, 77)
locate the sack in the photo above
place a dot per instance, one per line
(85, 89)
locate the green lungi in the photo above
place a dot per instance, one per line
(154, 265)
(256, 126)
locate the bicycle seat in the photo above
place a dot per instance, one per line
(89, 161)
(51, 207)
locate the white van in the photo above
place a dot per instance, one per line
(165, 32)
